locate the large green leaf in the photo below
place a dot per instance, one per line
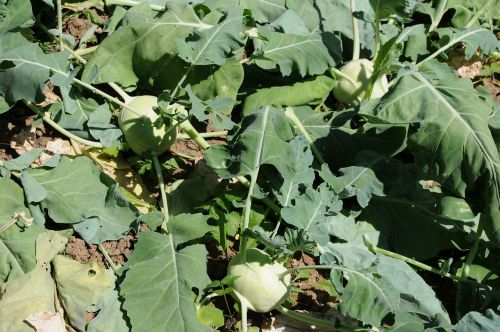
(302, 158)
(336, 17)
(78, 192)
(187, 227)
(26, 69)
(313, 212)
(378, 285)
(359, 181)
(140, 51)
(264, 11)
(312, 91)
(474, 321)
(23, 161)
(386, 9)
(363, 294)
(473, 38)
(438, 218)
(339, 143)
(224, 81)
(157, 286)
(213, 45)
(262, 139)
(304, 54)
(15, 14)
(454, 142)
(307, 12)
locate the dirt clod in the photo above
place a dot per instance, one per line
(118, 250)
(76, 27)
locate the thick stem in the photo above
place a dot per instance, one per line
(163, 195)
(103, 94)
(355, 32)
(178, 87)
(244, 319)
(60, 129)
(253, 180)
(205, 135)
(131, 3)
(472, 253)
(7, 225)
(248, 210)
(85, 51)
(440, 10)
(297, 123)
(373, 248)
(276, 228)
(337, 72)
(59, 24)
(478, 14)
(188, 128)
(378, 40)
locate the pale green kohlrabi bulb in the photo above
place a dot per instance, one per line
(360, 72)
(139, 129)
(259, 284)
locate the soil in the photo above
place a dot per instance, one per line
(312, 297)
(17, 135)
(493, 86)
(76, 27)
(117, 250)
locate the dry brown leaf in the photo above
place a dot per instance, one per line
(57, 146)
(46, 322)
(470, 69)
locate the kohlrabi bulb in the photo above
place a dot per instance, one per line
(139, 128)
(259, 284)
(360, 72)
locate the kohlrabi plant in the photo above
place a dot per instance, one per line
(259, 282)
(143, 128)
(354, 79)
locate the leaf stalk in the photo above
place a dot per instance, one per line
(161, 183)
(373, 248)
(355, 32)
(290, 114)
(60, 129)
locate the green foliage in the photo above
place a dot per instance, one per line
(463, 154)
(104, 215)
(158, 284)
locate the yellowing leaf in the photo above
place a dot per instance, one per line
(120, 171)
(79, 286)
(28, 294)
